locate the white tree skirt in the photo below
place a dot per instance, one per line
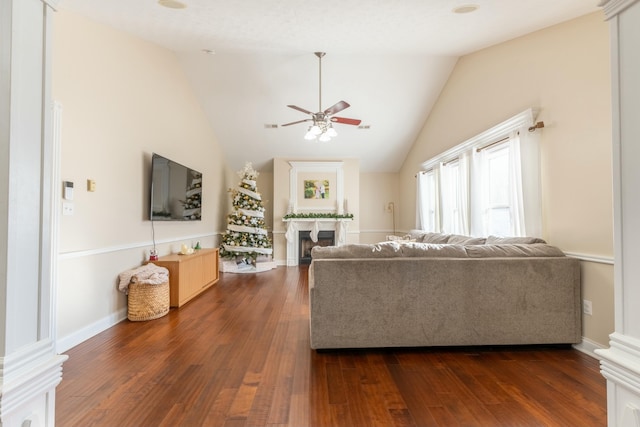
(234, 267)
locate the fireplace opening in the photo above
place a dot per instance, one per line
(325, 238)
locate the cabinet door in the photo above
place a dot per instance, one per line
(193, 276)
(210, 267)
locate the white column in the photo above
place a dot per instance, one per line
(620, 363)
(29, 367)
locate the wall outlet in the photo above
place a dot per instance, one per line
(67, 208)
(587, 307)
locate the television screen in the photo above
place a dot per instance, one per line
(176, 191)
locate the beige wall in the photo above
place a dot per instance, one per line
(377, 190)
(564, 72)
(122, 99)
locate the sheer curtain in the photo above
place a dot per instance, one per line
(477, 196)
(422, 201)
(516, 201)
(462, 226)
(455, 195)
(447, 197)
(435, 224)
(427, 201)
(530, 173)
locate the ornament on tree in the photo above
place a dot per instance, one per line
(246, 237)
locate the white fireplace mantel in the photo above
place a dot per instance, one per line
(339, 225)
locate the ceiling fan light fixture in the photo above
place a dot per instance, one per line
(322, 120)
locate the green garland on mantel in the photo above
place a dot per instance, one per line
(313, 215)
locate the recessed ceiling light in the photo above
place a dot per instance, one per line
(466, 8)
(172, 4)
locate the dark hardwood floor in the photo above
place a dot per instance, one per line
(238, 355)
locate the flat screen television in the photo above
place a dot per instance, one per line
(176, 191)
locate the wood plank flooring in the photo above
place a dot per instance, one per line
(238, 355)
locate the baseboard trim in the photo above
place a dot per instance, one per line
(65, 343)
(589, 347)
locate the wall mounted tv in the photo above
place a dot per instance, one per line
(176, 191)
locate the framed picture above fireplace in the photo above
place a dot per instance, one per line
(319, 189)
(316, 187)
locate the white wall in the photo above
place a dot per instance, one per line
(564, 72)
(122, 99)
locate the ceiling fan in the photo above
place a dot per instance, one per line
(322, 127)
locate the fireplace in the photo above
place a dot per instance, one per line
(325, 238)
(296, 226)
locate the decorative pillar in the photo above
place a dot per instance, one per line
(620, 364)
(30, 370)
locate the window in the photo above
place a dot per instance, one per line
(495, 189)
(488, 185)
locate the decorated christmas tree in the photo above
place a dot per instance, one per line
(246, 240)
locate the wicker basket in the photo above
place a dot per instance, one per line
(147, 302)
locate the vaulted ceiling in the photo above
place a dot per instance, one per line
(248, 59)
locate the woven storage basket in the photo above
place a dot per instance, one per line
(147, 302)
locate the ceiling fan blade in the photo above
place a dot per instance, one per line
(336, 108)
(345, 121)
(295, 123)
(295, 107)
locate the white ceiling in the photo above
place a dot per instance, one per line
(388, 58)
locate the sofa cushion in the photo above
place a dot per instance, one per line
(416, 235)
(435, 238)
(513, 250)
(457, 239)
(405, 238)
(433, 250)
(440, 238)
(357, 250)
(492, 240)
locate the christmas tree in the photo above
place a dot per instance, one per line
(246, 237)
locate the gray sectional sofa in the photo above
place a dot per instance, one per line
(443, 290)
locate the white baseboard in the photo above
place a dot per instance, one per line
(65, 343)
(589, 347)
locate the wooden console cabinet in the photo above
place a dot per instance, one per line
(190, 275)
